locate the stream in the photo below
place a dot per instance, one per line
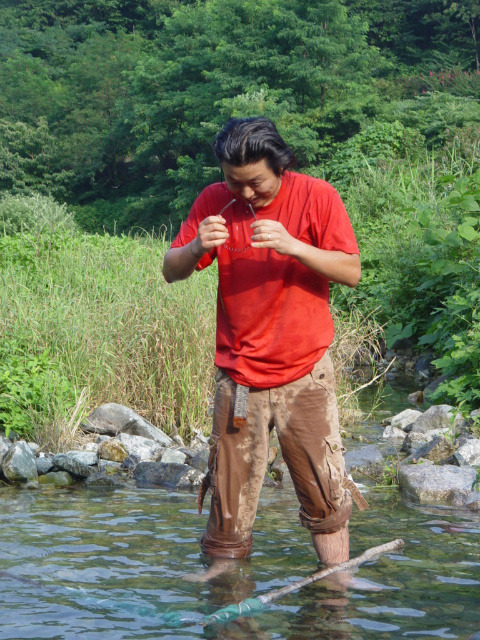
(110, 566)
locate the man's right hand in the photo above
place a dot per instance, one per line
(212, 232)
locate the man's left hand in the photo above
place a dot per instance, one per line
(270, 234)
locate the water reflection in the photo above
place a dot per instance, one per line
(110, 566)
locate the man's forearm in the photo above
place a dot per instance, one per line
(337, 266)
(180, 262)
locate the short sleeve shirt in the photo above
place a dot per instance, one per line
(273, 318)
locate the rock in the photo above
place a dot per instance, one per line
(113, 450)
(390, 355)
(422, 367)
(103, 482)
(173, 455)
(66, 463)
(34, 447)
(416, 397)
(176, 476)
(144, 448)
(392, 433)
(177, 439)
(473, 502)
(44, 465)
(430, 388)
(437, 450)
(18, 464)
(84, 457)
(363, 458)
(415, 440)
(112, 419)
(90, 446)
(200, 460)
(57, 478)
(4, 447)
(403, 346)
(199, 441)
(405, 418)
(468, 454)
(438, 416)
(279, 471)
(130, 462)
(437, 485)
(109, 466)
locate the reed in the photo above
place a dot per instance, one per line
(119, 333)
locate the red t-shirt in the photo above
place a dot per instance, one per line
(273, 320)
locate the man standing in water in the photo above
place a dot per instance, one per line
(279, 237)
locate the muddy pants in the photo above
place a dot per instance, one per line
(305, 416)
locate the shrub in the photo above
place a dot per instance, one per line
(33, 213)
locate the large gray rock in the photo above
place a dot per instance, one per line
(393, 433)
(468, 454)
(437, 450)
(437, 485)
(176, 476)
(439, 416)
(18, 464)
(44, 465)
(5, 445)
(173, 455)
(85, 457)
(144, 448)
(363, 458)
(57, 478)
(415, 440)
(104, 482)
(112, 419)
(200, 460)
(405, 418)
(63, 462)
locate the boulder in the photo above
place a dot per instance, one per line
(85, 457)
(392, 433)
(4, 447)
(18, 464)
(109, 466)
(437, 485)
(363, 458)
(112, 419)
(200, 460)
(473, 502)
(416, 397)
(173, 455)
(175, 476)
(57, 478)
(44, 465)
(130, 462)
(279, 471)
(438, 416)
(437, 450)
(468, 453)
(415, 440)
(405, 418)
(144, 448)
(113, 450)
(64, 462)
(104, 482)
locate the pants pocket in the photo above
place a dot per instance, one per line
(334, 452)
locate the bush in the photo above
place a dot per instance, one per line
(34, 213)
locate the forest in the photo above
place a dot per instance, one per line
(108, 109)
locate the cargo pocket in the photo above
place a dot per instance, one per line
(213, 464)
(336, 466)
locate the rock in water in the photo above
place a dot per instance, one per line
(113, 450)
(171, 474)
(432, 484)
(18, 464)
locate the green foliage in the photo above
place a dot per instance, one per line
(28, 159)
(29, 383)
(378, 142)
(35, 214)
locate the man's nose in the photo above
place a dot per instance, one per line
(247, 192)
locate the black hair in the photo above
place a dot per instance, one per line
(246, 140)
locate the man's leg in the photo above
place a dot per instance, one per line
(306, 418)
(237, 465)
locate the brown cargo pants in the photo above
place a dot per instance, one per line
(304, 413)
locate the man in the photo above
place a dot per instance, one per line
(279, 237)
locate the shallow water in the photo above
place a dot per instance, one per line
(110, 566)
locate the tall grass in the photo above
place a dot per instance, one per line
(119, 333)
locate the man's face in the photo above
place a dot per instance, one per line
(254, 183)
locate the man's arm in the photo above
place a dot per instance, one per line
(336, 266)
(180, 262)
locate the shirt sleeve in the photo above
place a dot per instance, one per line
(332, 229)
(189, 228)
